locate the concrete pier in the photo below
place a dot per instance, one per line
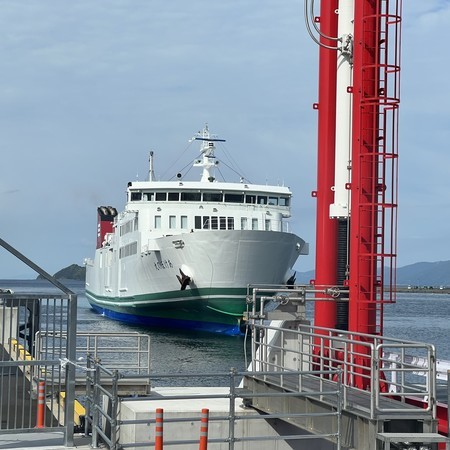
(218, 429)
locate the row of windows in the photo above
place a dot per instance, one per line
(227, 197)
(128, 250)
(128, 227)
(214, 223)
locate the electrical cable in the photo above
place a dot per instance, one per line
(315, 25)
(311, 34)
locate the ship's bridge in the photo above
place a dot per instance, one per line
(180, 206)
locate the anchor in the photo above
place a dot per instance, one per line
(184, 280)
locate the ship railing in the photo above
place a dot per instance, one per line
(385, 369)
(238, 419)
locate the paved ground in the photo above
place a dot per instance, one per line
(42, 441)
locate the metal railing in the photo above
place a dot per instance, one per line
(382, 367)
(127, 352)
(21, 316)
(227, 427)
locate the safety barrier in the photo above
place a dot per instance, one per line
(159, 429)
(21, 316)
(30, 383)
(107, 422)
(381, 367)
(128, 352)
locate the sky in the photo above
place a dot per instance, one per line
(88, 88)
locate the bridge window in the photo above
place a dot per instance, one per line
(136, 196)
(273, 201)
(284, 201)
(161, 196)
(191, 196)
(174, 196)
(234, 198)
(212, 197)
(250, 198)
(262, 200)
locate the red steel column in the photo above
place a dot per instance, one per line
(362, 307)
(326, 228)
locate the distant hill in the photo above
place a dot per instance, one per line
(72, 272)
(304, 277)
(419, 274)
(425, 274)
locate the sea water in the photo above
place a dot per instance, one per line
(418, 317)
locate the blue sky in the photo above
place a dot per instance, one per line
(87, 88)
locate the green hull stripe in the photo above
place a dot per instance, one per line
(201, 304)
(220, 311)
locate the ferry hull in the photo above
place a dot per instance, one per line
(213, 311)
(145, 290)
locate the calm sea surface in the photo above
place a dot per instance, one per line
(416, 317)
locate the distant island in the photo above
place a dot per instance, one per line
(72, 272)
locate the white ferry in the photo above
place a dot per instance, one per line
(182, 253)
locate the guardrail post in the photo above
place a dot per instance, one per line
(89, 399)
(40, 420)
(96, 405)
(340, 405)
(232, 414)
(204, 429)
(159, 429)
(114, 409)
(70, 369)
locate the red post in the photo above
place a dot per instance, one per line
(204, 429)
(159, 429)
(40, 420)
(326, 228)
(365, 177)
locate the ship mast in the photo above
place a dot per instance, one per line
(207, 148)
(151, 172)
